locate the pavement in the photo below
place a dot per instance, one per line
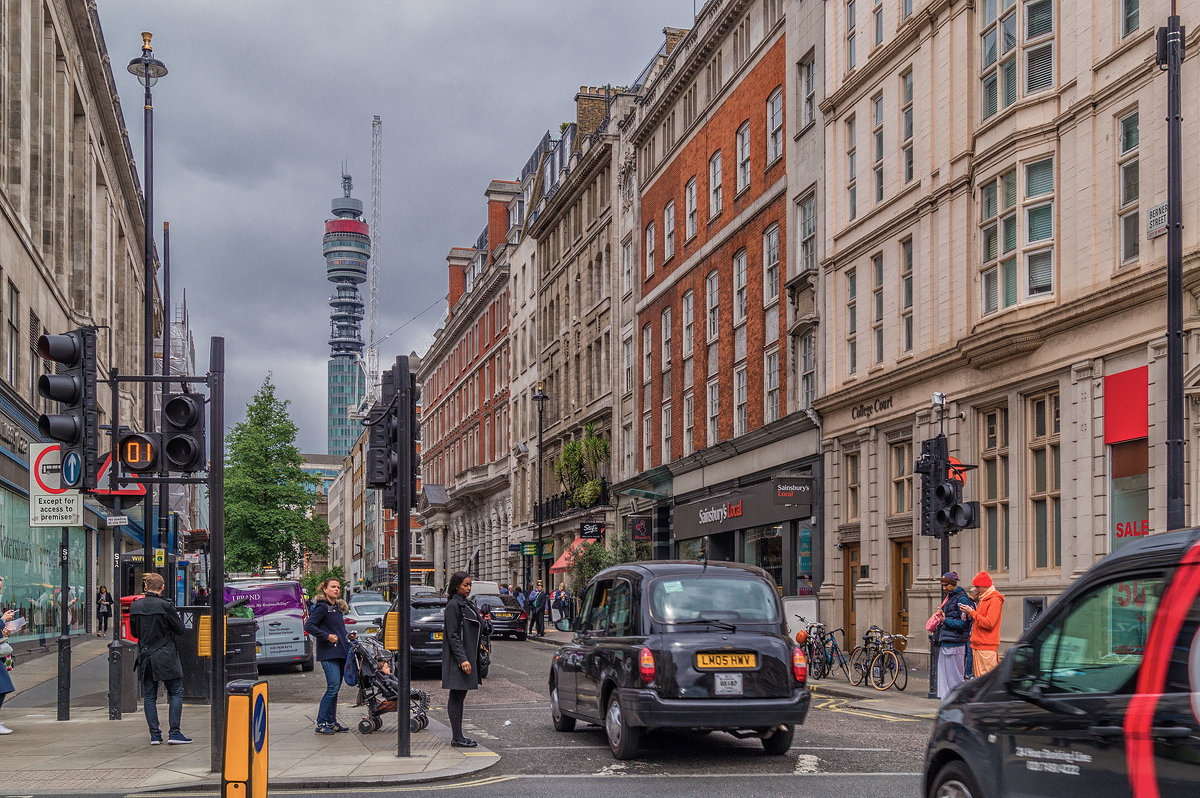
(912, 702)
(46, 756)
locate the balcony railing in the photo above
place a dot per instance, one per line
(563, 504)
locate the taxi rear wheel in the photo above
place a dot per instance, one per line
(562, 723)
(623, 739)
(954, 781)
(780, 741)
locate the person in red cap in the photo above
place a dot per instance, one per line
(985, 629)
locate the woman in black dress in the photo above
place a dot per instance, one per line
(460, 653)
(104, 608)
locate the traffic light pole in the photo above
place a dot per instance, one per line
(64, 637)
(216, 569)
(114, 646)
(163, 489)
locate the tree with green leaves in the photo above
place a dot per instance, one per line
(269, 499)
(311, 582)
(580, 467)
(590, 559)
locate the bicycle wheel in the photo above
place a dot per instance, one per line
(883, 670)
(820, 665)
(858, 665)
(901, 672)
(841, 661)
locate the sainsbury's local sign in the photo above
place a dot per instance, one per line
(755, 505)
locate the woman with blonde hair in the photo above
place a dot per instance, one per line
(326, 623)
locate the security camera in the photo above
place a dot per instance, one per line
(938, 399)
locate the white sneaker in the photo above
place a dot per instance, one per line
(4, 729)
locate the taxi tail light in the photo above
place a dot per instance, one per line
(646, 665)
(799, 665)
(522, 616)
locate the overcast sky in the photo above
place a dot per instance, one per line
(265, 99)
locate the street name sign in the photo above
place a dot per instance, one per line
(116, 520)
(50, 504)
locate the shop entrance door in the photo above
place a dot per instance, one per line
(901, 582)
(850, 557)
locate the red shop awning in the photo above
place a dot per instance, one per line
(564, 559)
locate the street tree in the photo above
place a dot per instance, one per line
(269, 498)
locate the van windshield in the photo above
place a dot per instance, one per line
(692, 598)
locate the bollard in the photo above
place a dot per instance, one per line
(933, 662)
(244, 774)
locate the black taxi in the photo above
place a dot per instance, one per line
(681, 645)
(1101, 696)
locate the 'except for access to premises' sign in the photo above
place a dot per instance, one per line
(50, 504)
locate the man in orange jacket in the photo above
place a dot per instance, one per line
(985, 629)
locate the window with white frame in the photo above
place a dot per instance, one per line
(714, 184)
(906, 9)
(851, 171)
(666, 339)
(665, 454)
(689, 199)
(851, 322)
(771, 264)
(650, 249)
(1043, 481)
(714, 411)
(906, 125)
(739, 287)
(741, 412)
(1039, 227)
(771, 386)
(808, 369)
(647, 353)
(877, 143)
(808, 91)
(714, 312)
(850, 461)
(628, 445)
(689, 425)
(901, 497)
(743, 156)
(775, 125)
(647, 442)
(1002, 21)
(1127, 179)
(1039, 45)
(669, 231)
(627, 361)
(1130, 16)
(906, 295)
(877, 15)
(808, 233)
(851, 35)
(688, 333)
(877, 306)
(626, 267)
(998, 237)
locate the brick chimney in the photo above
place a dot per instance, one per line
(674, 37)
(458, 260)
(591, 105)
(499, 193)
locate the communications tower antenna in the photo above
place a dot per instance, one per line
(376, 250)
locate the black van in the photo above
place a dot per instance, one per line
(1100, 697)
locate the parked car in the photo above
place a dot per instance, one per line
(366, 595)
(422, 590)
(683, 645)
(1098, 697)
(482, 587)
(366, 617)
(505, 613)
(426, 628)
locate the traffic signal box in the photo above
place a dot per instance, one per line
(74, 388)
(943, 511)
(393, 459)
(414, 438)
(183, 432)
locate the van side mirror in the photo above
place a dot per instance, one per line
(1022, 670)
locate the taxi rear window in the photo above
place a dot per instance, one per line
(695, 597)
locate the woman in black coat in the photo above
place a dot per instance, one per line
(327, 627)
(460, 653)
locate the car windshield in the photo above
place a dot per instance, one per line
(428, 611)
(489, 603)
(692, 598)
(370, 609)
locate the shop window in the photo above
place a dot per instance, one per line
(1129, 489)
(764, 547)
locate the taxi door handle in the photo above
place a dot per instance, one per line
(1170, 731)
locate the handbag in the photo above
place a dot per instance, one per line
(935, 620)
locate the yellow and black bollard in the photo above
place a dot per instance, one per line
(245, 771)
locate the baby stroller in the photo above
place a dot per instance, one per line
(371, 667)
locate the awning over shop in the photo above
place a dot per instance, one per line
(564, 560)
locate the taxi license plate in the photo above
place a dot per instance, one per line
(504, 616)
(372, 630)
(436, 635)
(726, 660)
(727, 684)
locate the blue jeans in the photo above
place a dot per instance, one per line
(174, 702)
(327, 713)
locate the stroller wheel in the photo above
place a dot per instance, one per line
(378, 721)
(414, 725)
(366, 726)
(423, 719)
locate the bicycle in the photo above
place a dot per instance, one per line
(888, 666)
(814, 650)
(862, 655)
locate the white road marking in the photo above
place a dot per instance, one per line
(805, 764)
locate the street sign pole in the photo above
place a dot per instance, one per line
(216, 570)
(64, 638)
(114, 646)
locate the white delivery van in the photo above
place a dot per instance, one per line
(280, 613)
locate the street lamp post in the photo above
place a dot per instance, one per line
(148, 69)
(540, 398)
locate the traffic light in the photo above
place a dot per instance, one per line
(73, 387)
(183, 432)
(381, 434)
(414, 438)
(932, 466)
